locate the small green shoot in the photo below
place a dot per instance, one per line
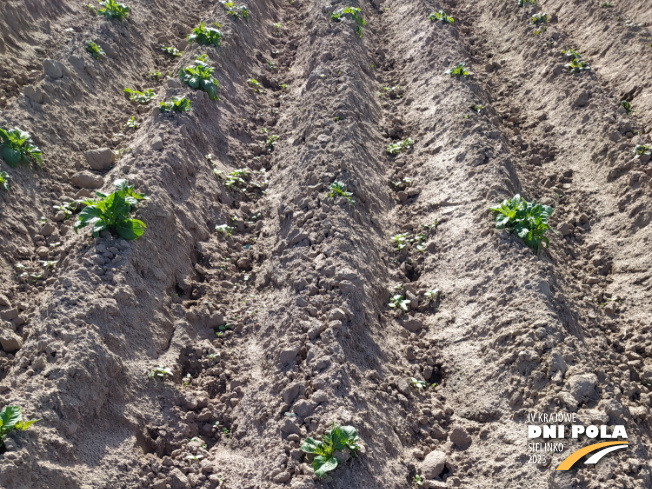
(224, 229)
(459, 71)
(627, 106)
(606, 5)
(176, 104)
(172, 51)
(140, 97)
(236, 11)
(338, 438)
(431, 295)
(271, 142)
(160, 373)
(539, 18)
(5, 180)
(523, 3)
(16, 146)
(68, 209)
(11, 419)
(255, 84)
(442, 17)
(200, 76)
(338, 189)
(528, 220)
(642, 150)
(111, 9)
(132, 123)
(394, 92)
(399, 302)
(477, 108)
(155, 75)
(278, 29)
(95, 51)
(418, 480)
(206, 35)
(111, 212)
(576, 63)
(353, 13)
(418, 384)
(395, 148)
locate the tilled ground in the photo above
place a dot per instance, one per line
(280, 327)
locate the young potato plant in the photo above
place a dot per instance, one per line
(155, 75)
(404, 239)
(236, 11)
(111, 9)
(172, 51)
(395, 148)
(441, 16)
(477, 108)
(394, 92)
(16, 146)
(278, 29)
(338, 189)
(352, 13)
(337, 439)
(576, 63)
(528, 220)
(627, 106)
(206, 35)
(606, 5)
(240, 180)
(418, 384)
(523, 3)
(271, 142)
(224, 229)
(176, 104)
(5, 180)
(68, 209)
(459, 71)
(95, 51)
(140, 97)
(538, 19)
(160, 373)
(255, 84)
(399, 302)
(11, 419)
(132, 123)
(418, 480)
(402, 184)
(111, 212)
(642, 150)
(200, 76)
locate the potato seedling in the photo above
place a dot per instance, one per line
(528, 220)
(206, 35)
(224, 229)
(431, 295)
(176, 104)
(111, 9)
(5, 180)
(477, 108)
(441, 16)
(338, 438)
(255, 84)
(576, 64)
(402, 184)
(155, 75)
(399, 302)
(111, 212)
(353, 13)
(95, 51)
(606, 5)
(235, 11)
(278, 29)
(459, 71)
(171, 50)
(418, 384)
(160, 373)
(140, 97)
(523, 3)
(271, 142)
(627, 106)
(16, 146)
(539, 18)
(418, 480)
(132, 123)
(642, 150)
(68, 209)
(395, 148)
(393, 92)
(200, 76)
(338, 189)
(11, 419)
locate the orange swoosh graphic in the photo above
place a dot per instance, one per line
(575, 456)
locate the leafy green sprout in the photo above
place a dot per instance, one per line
(477, 108)
(338, 189)
(353, 13)
(222, 329)
(627, 106)
(271, 65)
(155, 75)
(111, 9)
(11, 419)
(206, 35)
(459, 71)
(431, 295)
(176, 104)
(399, 302)
(5, 180)
(441, 16)
(95, 51)
(418, 384)
(395, 148)
(539, 18)
(200, 76)
(140, 97)
(255, 84)
(17, 146)
(194, 458)
(132, 123)
(528, 220)
(236, 11)
(278, 29)
(576, 63)
(111, 212)
(338, 438)
(606, 5)
(160, 373)
(171, 51)
(224, 229)
(418, 480)
(403, 183)
(48, 263)
(523, 3)
(68, 209)
(271, 142)
(642, 150)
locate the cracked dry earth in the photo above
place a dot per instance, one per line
(303, 280)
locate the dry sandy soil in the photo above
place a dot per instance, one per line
(304, 279)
